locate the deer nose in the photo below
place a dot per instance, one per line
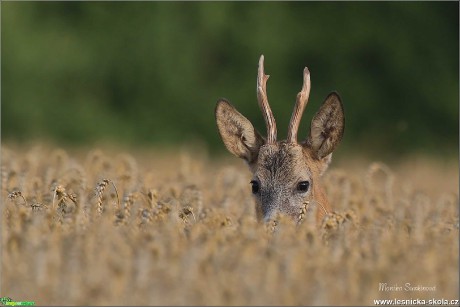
(275, 206)
(272, 202)
(268, 212)
(268, 217)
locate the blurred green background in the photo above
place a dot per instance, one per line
(149, 73)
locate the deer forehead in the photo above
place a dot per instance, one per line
(283, 162)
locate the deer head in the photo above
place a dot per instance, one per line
(286, 174)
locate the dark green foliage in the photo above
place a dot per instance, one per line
(151, 72)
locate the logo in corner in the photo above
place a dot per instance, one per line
(5, 300)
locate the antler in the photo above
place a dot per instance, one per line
(263, 102)
(301, 102)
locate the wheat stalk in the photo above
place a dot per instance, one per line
(15, 194)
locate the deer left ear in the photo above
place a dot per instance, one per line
(327, 127)
(237, 132)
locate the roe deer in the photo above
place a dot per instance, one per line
(286, 174)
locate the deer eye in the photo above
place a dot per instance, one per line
(255, 187)
(303, 186)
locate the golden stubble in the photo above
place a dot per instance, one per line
(105, 228)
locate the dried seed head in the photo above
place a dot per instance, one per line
(153, 198)
(145, 214)
(61, 195)
(38, 206)
(186, 211)
(59, 190)
(127, 203)
(15, 194)
(100, 188)
(303, 211)
(272, 225)
(73, 197)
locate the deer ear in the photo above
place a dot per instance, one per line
(327, 127)
(237, 132)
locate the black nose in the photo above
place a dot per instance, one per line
(268, 212)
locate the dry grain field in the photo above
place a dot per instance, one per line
(104, 227)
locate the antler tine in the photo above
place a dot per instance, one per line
(301, 102)
(263, 102)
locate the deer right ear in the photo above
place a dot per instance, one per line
(237, 132)
(327, 126)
